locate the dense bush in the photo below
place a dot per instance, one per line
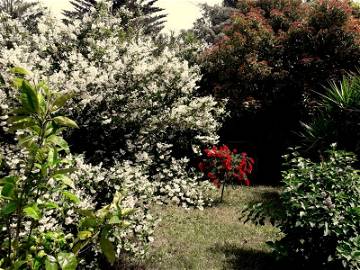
(133, 99)
(268, 59)
(319, 213)
(51, 212)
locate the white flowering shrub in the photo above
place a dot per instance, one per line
(49, 217)
(100, 184)
(130, 96)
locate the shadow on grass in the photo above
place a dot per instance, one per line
(239, 258)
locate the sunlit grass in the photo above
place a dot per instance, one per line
(214, 238)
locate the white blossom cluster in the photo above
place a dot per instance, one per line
(130, 97)
(101, 184)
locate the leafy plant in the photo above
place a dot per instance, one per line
(337, 117)
(223, 167)
(42, 186)
(318, 213)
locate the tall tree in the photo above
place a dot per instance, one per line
(150, 16)
(18, 8)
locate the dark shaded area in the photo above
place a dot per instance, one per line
(265, 137)
(247, 259)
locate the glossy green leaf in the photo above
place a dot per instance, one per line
(114, 220)
(19, 71)
(52, 157)
(21, 122)
(51, 264)
(17, 82)
(67, 261)
(36, 263)
(65, 179)
(86, 212)
(82, 235)
(9, 208)
(90, 222)
(108, 249)
(42, 102)
(58, 141)
(42, 85)
(33, 212)
(50, 205)
(8, 179)
(72, 197)
(18, 264)
(28, 141)
(64, 121)
(127, 211)
(29, 97)
(8, 190)
(61, 99)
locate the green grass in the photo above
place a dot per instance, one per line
(214, 238)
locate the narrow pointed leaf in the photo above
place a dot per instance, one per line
(19, 71)
(66, 122)
(108, 249)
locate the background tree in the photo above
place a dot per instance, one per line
(145, 12)
(268, 59)
(19, 8)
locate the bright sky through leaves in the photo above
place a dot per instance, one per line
(181, 13)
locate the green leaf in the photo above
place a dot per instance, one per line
(42, 102)
(108, 249)
(17, 265)
(21, 122)
(17, 82)
(9, 208)
(19, 71)
(28, 141)
(127, 212)
(50, 205)
(64, 121)
(52, 158)
(33, 212)
(67, 261)
(65, 171)
(61, 99)
(90, 222)
(8, 190)
(8, 179)
(58, 141)
(86, 212)
(29, 98)
(114, 220)
(2, 81)
(72, 197)
(65, 179)
(82, 235)
(51, 264)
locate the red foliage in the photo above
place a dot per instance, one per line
(221, 165)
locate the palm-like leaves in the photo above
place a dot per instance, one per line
(339, 118)
(344, 95)
(16, 8)
(151, 17)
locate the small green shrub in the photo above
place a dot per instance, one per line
(320, 214)
(46, 220)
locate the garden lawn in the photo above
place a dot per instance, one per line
(214, 238)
